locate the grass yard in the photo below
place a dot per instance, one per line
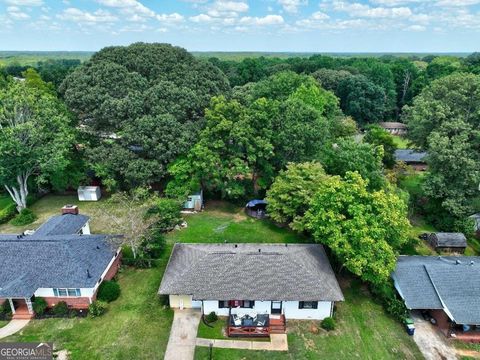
(50, 205)
(363, 331)
(4, 201)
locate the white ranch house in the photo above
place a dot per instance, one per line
(265, 284)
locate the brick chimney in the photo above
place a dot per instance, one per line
(70, 209)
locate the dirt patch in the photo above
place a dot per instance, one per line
(468, 353)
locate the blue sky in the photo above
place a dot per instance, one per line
(244, 25)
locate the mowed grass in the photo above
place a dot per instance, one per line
(363, 331)
(51, 205)
(5, 200)
(223, 222)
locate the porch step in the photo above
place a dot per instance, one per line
(23, 316)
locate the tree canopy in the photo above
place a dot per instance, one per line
(445, 120)
(36, 138)
(363, 229)
(144, 101)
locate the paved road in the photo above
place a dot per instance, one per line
(183, 335)
(12, 327)
(431, 342)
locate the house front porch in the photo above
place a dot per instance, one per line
(22, 308)
(255, 325)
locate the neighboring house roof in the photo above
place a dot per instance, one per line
(253, 203)
(476, 219)
(62, 225)
(451, 283)
(409, 155)
(299, 272)
(63, 261)
(450, 240)
(393, 125)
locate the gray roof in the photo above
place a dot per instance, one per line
(392, 125)
(451, 283)
(444, 239)
(409, 155)
(65, 224)
(299, 272)
(32, 262)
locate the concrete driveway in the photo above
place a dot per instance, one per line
(431, 342)
(183, 335)
(12, 327)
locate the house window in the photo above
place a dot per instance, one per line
(308, 305)
(60, 292)
(248, 304)
(222, 304)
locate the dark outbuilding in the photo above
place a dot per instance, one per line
(454, 242)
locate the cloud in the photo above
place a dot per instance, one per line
(453, 3)
(416, 28)
(25, 2)
(261, 21)
(201, 18)
(15, 13)
(134, 9)
(292, 6)
(80, 16)
(222, 8)
(362, 10)
(170, 18)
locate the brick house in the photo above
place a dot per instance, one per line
(60, 261)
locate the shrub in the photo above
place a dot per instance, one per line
(97, 308)
(7, 213)
(5, 308)
(127, 252)
(39, 305)
(153, 245)
(387, 295)
(25, 217)
(168, 212)
(328, 324)
(60, 309)
(212, 317)
(108, 291)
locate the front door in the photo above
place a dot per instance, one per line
(276, 307)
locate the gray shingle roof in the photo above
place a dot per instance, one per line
(450, 240)
(62, 225)
(409, 155)
(451, 283)
(33, 262)
(392, 125)
(278, 272)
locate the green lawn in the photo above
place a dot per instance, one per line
(363, 331)
(50, 205)
(5, 200)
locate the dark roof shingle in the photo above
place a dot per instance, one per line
(409, 155)
(65, 224)
(451, 283)
(227, 271)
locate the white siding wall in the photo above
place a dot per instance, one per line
(86, 229)
(48, 292)
(291, 311)
(289, 308)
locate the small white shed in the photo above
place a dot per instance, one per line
(89, 193)
(194, 201)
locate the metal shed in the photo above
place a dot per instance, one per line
(89, 193)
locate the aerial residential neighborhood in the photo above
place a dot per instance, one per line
(239, 179)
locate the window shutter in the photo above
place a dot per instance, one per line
(300, 304)
(314, 304)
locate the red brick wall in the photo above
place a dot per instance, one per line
(72, 302)
(443, 322)
(114, 268)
